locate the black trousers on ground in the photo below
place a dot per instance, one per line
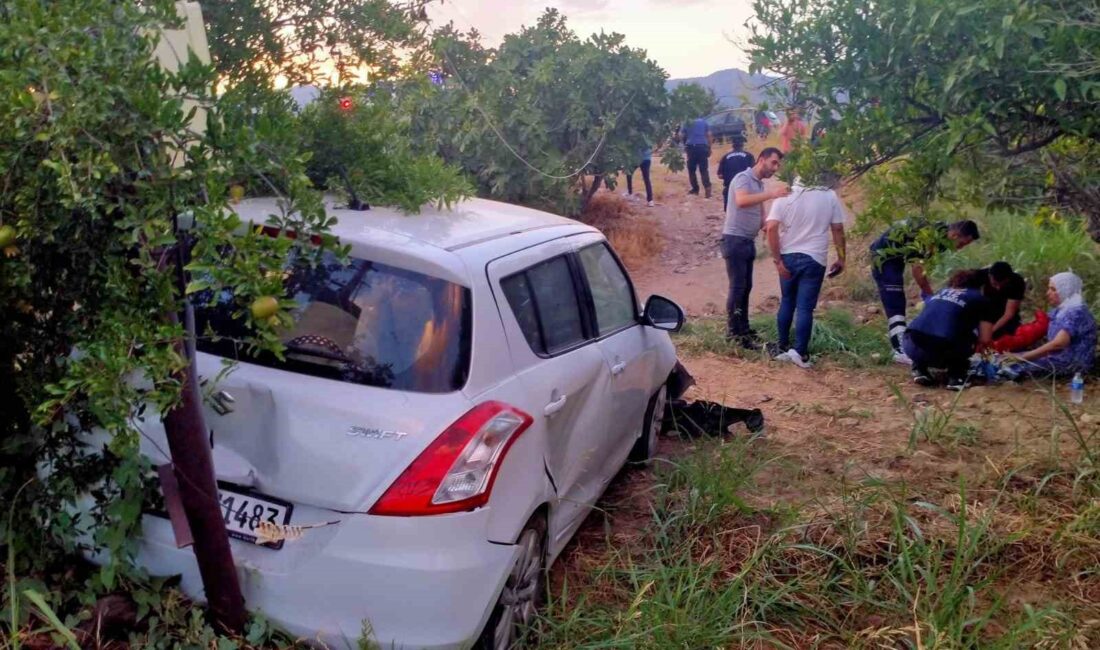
(698, 158)
(937, 352)
(889, 277)
(740, 254)
(645, 165)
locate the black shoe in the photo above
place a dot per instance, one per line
(751, 344)
(746, 341)
(695, 192)
(957, 383)
(922, 378)
(707, 192)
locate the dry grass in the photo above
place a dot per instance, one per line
(636, 238)
(759, 543)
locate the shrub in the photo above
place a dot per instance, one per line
(1036, 248)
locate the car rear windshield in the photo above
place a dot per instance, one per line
(356, 321)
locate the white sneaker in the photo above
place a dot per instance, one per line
(651, 204)
(626, 194)
(902, 358)
(794, 357)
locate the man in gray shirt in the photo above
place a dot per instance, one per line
(744, 219)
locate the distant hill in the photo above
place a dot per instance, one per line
(731, 86)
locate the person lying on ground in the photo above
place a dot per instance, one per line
(1005, 289)
(1071, 336)
(942, 335)
(1025, 336)
(911, 242)
(798, 229)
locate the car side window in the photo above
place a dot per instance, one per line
(612, 293)
(544, 301)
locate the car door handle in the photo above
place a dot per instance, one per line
(555, 406)
(618, 368)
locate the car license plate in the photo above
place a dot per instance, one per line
(243, 511)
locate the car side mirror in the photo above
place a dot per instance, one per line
(663, 314)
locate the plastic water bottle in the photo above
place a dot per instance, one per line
(1077, 389)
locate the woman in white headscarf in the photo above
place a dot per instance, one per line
(1071, 337)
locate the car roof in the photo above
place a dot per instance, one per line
(466, 223)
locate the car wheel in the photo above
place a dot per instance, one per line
(646, 445)
(522, 594)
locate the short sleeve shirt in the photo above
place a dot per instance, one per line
(744, 222)
(1014, 289)
(806, 217)
(901, 235)
(695, 132)
(733, 163)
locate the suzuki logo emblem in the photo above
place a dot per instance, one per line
(375, 434)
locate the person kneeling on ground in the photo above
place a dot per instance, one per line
(1071, 335)
(942, 335)
(1005, 289)
(798, 238)
(904, 243)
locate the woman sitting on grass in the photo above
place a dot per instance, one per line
(942, 335)
(1071, 335)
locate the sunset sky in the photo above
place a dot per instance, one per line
(688, 38)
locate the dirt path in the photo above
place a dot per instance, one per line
(690, 269)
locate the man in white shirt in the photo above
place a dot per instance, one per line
(798, 229)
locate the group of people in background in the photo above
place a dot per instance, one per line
(977, 312)
(698, 141)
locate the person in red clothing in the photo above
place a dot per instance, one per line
(794, 129)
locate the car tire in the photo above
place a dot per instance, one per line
(522, 594)
(646, 445)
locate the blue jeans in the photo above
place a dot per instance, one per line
(799, 296)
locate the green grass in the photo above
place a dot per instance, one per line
(1035, 250)
(937, 424)
(837, 337)
(873, 566)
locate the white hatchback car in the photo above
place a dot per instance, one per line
(451, 404)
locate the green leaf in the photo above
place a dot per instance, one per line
(51, 617)
(195, 286)
(1060, 88)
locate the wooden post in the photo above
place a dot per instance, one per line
(189, 446)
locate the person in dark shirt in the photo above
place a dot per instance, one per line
(943, 334)
(732, 164)
(910, 243)
(1005, 289)
(697, 141)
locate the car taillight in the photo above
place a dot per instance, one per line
(456, 472)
